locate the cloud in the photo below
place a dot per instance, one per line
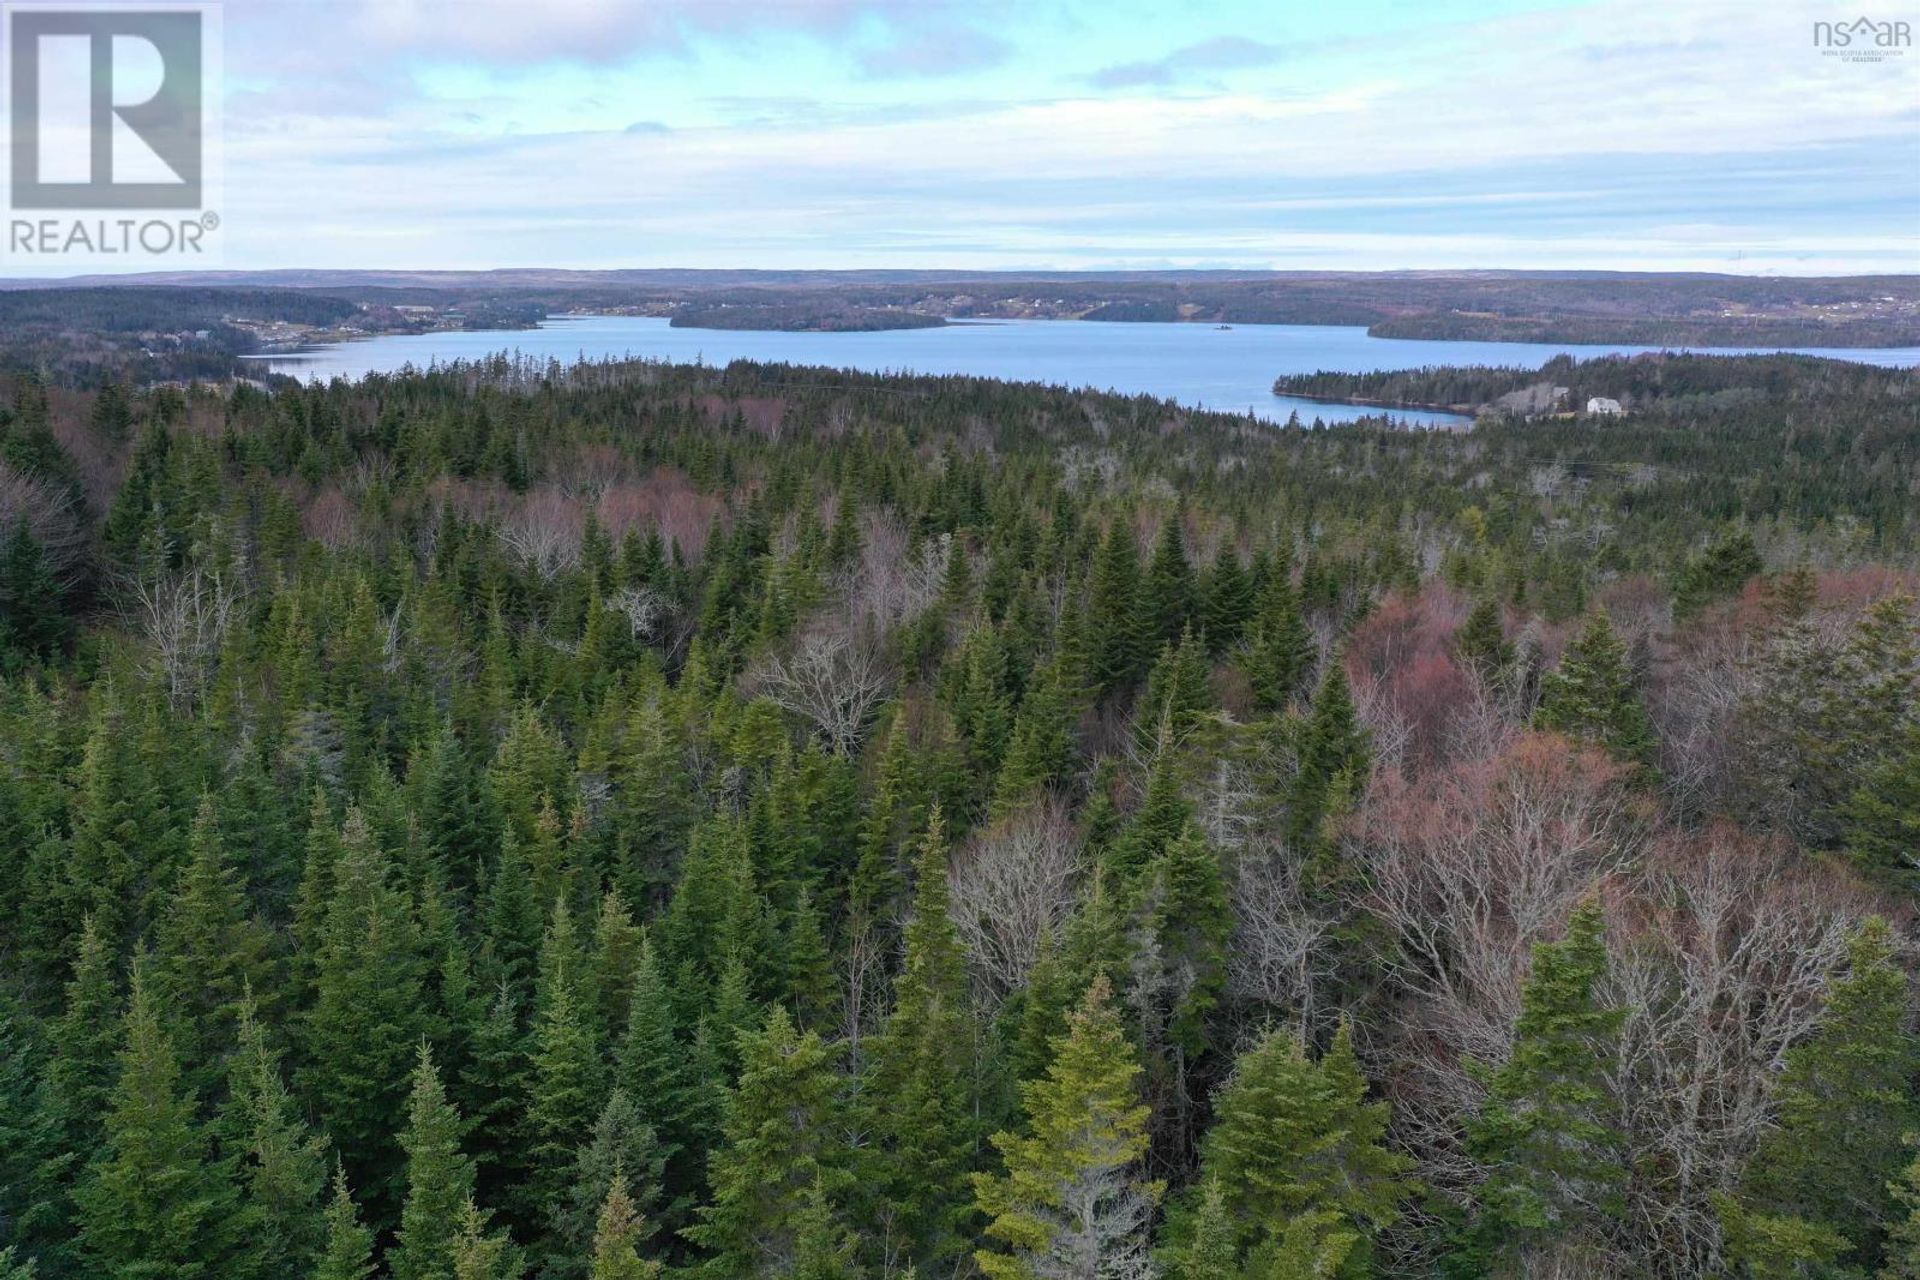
(940, 52)
(1225, 53)
(1621, 135)
(588, 31)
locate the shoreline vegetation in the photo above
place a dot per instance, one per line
(779, 319)
(1562, 386)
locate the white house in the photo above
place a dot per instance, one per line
(1601, 404)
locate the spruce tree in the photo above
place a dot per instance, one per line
(1192, 922)
(368, 1017)
(1545, 1136)
(1168, 589)
(348, 1252)
(1845, 1103)
(152, 1206)
(654, 1071)
(812, 987)
(616, 1239)
(1883, 817)
(566, 1083)
(1211, 1247)
(779, 1147)
(621, 1155)
(1903, 1234)
(1280, 651)
(85, 1042)
(1592, 695)
(1041, 750)
(33, 618)
(1095, 945)
(919, 1082)
(1120, 633)
(33, 1156)
(1163, 814)
(439, 1181)
(1482, 640)
(1294, 1138)
(1074, 1198)
(1226, 599)
(1720, 570)
(282, 1166)
(481, 1254)
(211, 953)
(1332, 757)
(1177, 696)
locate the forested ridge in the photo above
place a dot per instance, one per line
(1665, 381)
(632, 820)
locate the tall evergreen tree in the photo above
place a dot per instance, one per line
(367, 1019)
(1293, 1139)
(1120, 634)
(621, 1155)
(567, 1083)
(616, 1239)
(1074, 1200)
(1168, 589)
(1846, 1103)
(1332, 757)
(779, 1148)
(1592, 695)
(211, 954)
(1210, 1249)
(439, 1181)
(919, 1086)
(85, 1042)
(1482, 640)
(655, 1070)
(282, 1166)
(1545, 1137)
(1227, 599)
(152, 1205)
(348, 1253)
(1280, 651)
(34, 1157)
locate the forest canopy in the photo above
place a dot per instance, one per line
(625, 819)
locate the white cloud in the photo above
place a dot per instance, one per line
(1579, 99)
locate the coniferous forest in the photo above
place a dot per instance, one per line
(633, 821)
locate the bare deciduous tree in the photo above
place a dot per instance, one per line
(544, 533)
(1013, 887)
(1281, 953)
(185, 618)
(887, 585)
(50, 517)
(645, 610)
(833, 678)
(1719, 971)
(1469, 866)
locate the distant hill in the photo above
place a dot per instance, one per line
(1643, 308)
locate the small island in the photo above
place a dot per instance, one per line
(802, 318)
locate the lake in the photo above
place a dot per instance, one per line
(1230, 369)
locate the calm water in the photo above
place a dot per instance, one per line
(1194, 364)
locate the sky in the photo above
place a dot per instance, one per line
(1057, 134)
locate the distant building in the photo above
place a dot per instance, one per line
(1601, 404)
